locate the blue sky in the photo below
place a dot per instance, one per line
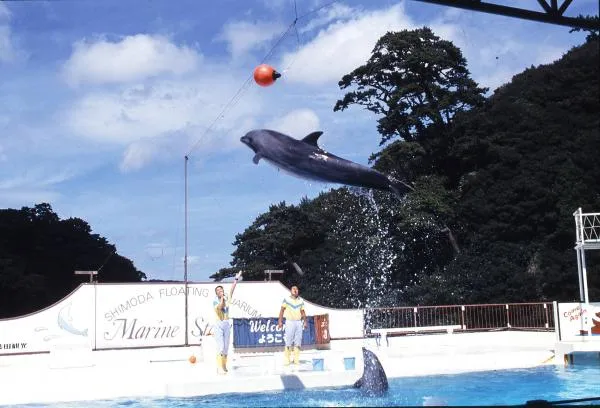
(101, 100)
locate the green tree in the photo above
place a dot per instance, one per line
(529, 160)
(274, 241)
(39, 253)
(417, 83)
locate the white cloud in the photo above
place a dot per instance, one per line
(137, 154)
(499, 65)
(192, 260)
(495, 56)
(547, 54)
(3, 156)
(136, 112)
(343, 46)
(133, 58)
(23, 196)
(33, 186)
(327, 15)
(166, 118)
(277, 5)
(297, 123)
(8, 51)
(244, 36)
(146, 111)
(6, 47)
(495, 78)
(4, 12)
(348, 36)
(36, 178)
(144, 151)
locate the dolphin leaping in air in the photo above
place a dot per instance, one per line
(304, 158)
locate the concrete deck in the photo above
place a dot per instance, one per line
(166, 372)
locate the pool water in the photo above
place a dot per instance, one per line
(502, 387)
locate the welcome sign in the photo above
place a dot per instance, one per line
(263, 332)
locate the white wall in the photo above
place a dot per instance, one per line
(102, 316)
(68, 323)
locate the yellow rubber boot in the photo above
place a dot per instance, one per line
(286, 356)
(224, 360)
(219, 363)
(296, 355)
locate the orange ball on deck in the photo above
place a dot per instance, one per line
(265, 75)
(192, 359)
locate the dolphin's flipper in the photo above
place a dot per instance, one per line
(256, 158)
(312, 138)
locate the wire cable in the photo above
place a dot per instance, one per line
(242, 88)
(237, 96)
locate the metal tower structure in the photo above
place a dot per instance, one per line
(587, 233)
(550, 12)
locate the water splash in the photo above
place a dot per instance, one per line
(362, 234)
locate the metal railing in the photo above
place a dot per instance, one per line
(587, 227)
(538, 316)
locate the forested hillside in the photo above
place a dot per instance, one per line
(496, 179)
(39, 254)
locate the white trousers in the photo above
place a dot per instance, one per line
(222, 329)
(293, 333)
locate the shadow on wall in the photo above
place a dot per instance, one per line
(292, 382)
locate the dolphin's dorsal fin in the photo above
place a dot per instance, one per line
(312, 138)
(256, 158)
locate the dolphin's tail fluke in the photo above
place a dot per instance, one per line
(399, 188)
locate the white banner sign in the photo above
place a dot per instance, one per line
(577, 320)
(136, 315)
(106, 316)
(68, 324)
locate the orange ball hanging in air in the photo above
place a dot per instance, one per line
(265, 75)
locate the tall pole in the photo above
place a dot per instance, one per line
(185, 256)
